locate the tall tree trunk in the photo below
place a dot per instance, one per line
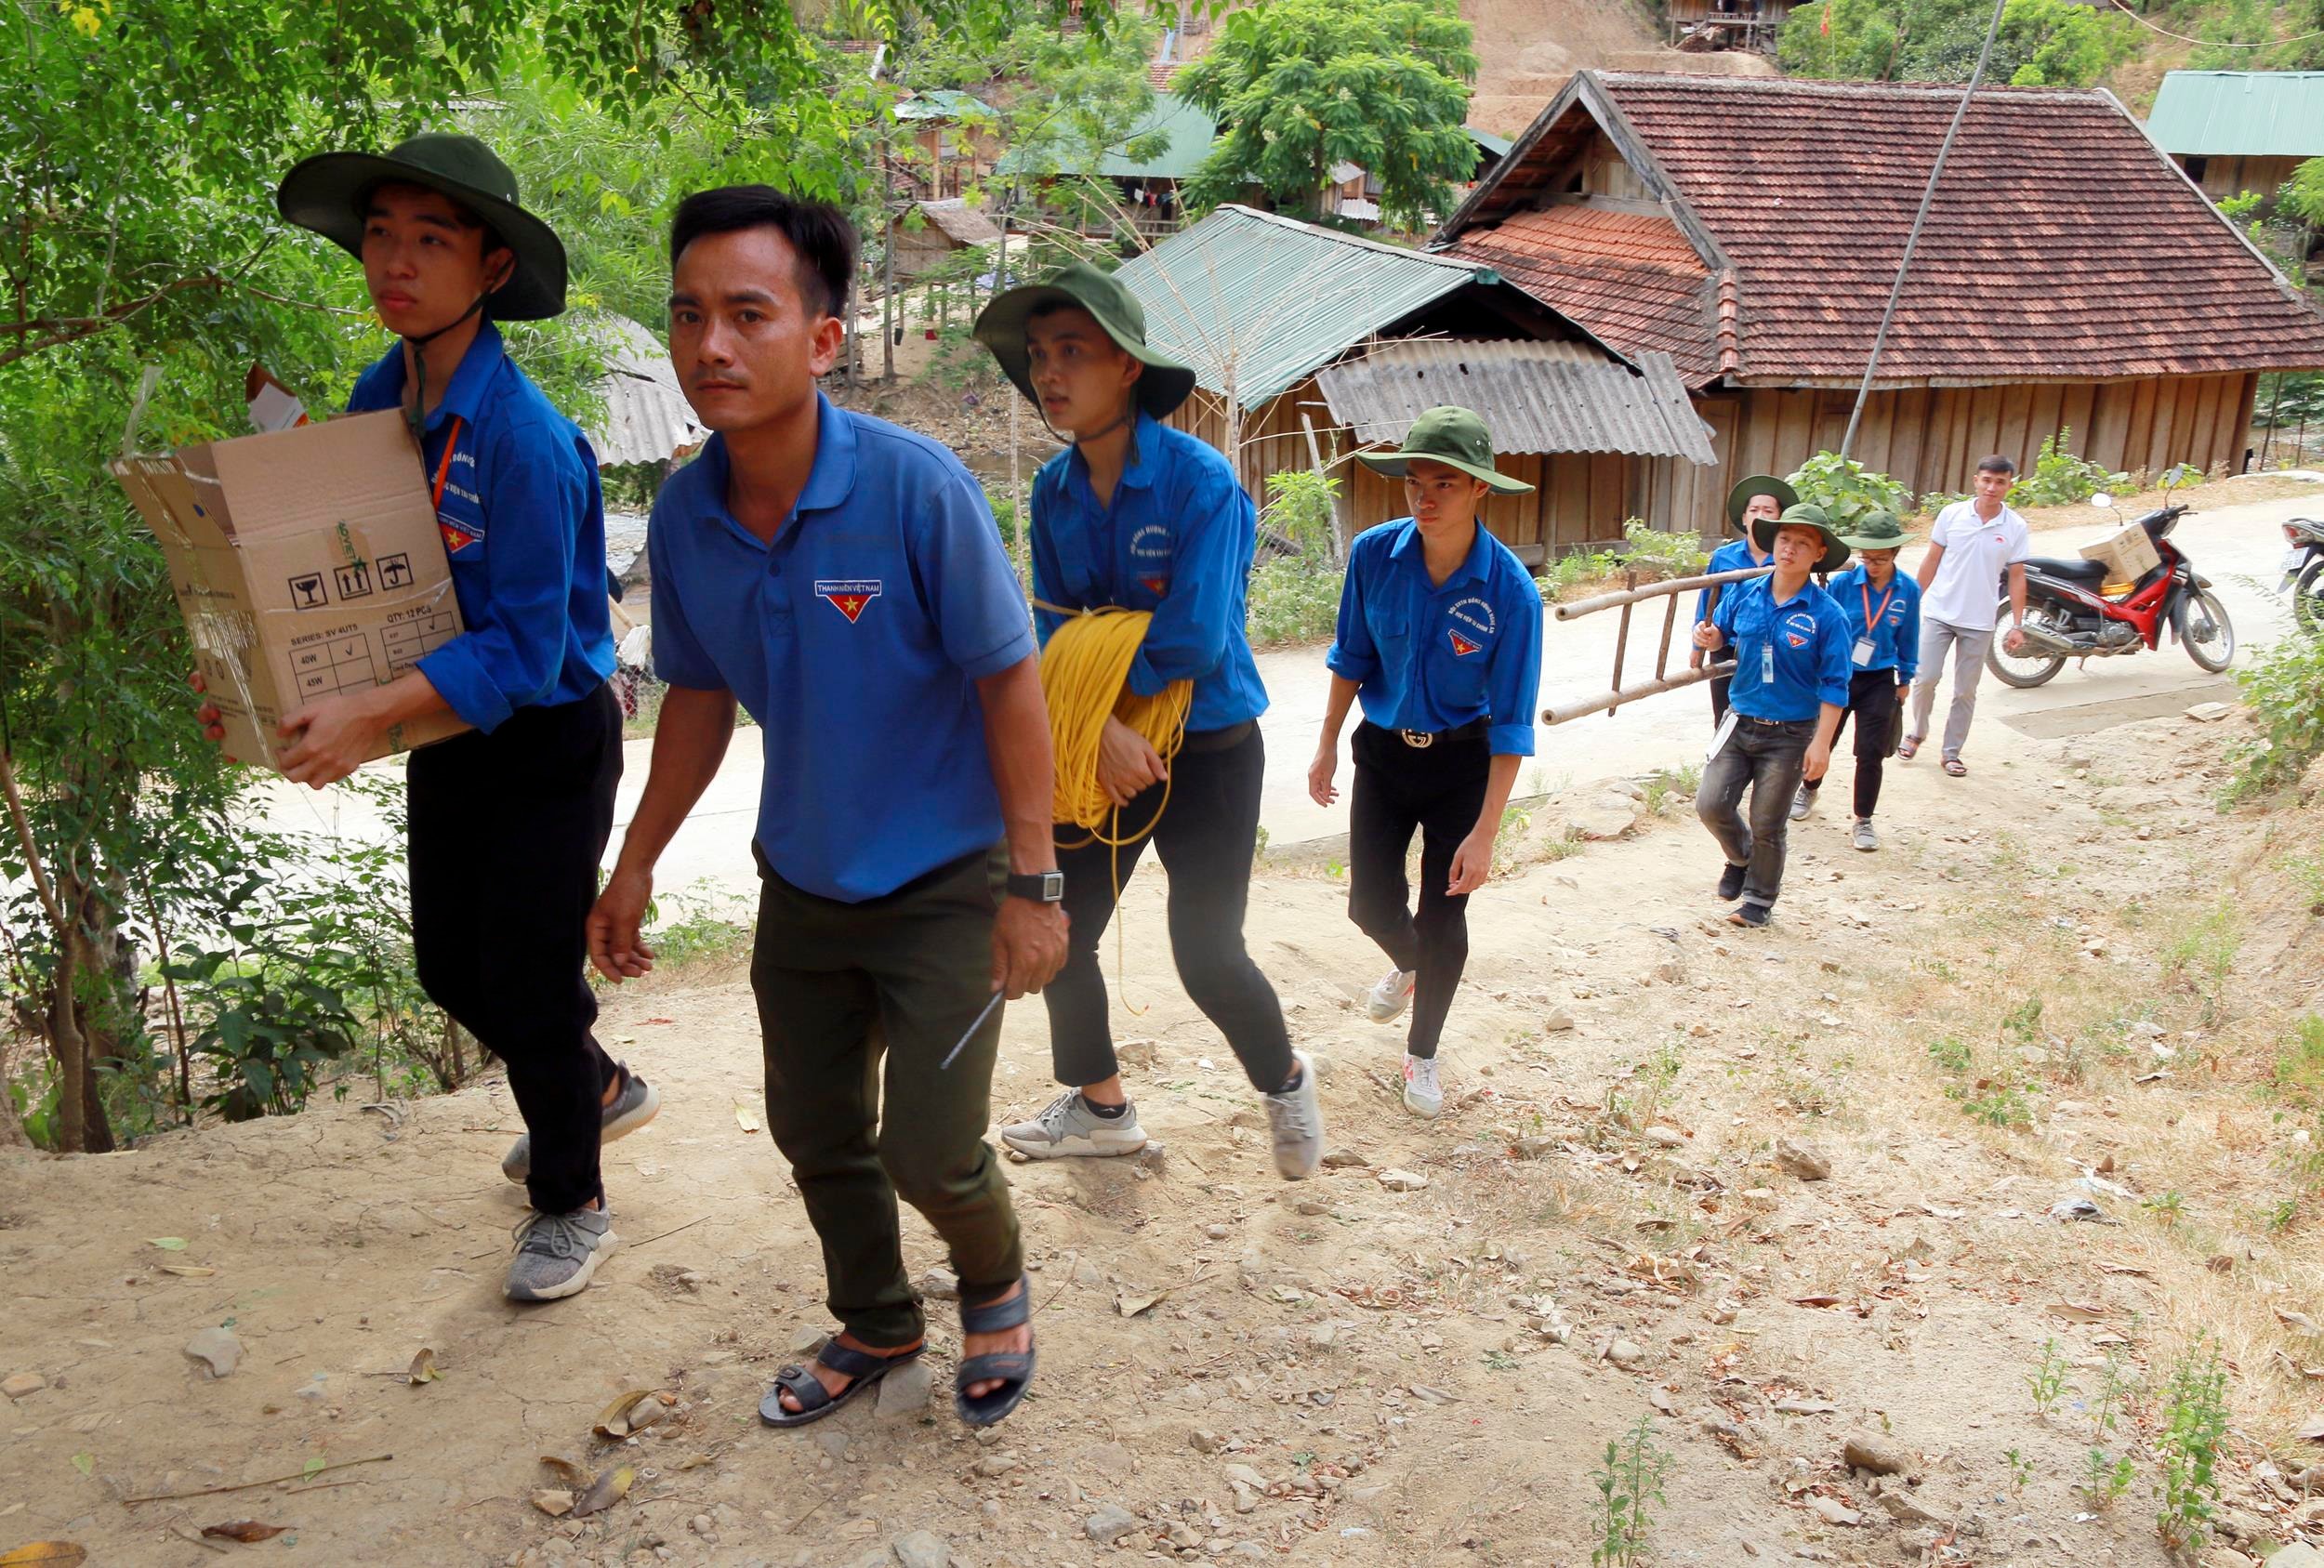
(66, 1041)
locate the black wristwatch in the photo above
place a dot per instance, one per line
(1041, 887)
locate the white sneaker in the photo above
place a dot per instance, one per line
(1865, 838)
(1297, 1122)
(1392, 996)
(1803, 801)
(1067, 1127)
(1423, 1094)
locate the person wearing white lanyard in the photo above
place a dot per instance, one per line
(1761, 495)
(1971, 546)
(1885, 650)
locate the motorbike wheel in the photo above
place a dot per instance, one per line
(2214, 650)
(2025, 669)
(2307, 598)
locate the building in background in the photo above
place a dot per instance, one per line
(2068, 277)
(2234, 131)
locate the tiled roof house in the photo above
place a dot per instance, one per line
(2069, 274)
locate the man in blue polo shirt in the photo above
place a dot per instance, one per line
(1790, 687)
(1757, 496)
(509, 820)
(845, 581)
(1440, 635)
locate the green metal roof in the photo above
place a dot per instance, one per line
(1254, 302)
(2239, 113)
(1496, 145)
(945, 103)
(1190, 133)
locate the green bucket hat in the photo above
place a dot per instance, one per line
(1000, 326)
(327, 193)
(1758, 484)
(1803, 514)
(1454, 436)
(1877, 530)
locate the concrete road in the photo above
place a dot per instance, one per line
(2237, 547)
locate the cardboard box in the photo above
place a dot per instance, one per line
(307, 562)
(2127, 553)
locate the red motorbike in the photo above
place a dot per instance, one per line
(2069, 616)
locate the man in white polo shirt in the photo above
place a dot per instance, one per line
(1972, 543)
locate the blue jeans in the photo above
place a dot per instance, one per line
(1764, 757)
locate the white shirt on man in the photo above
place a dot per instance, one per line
(1968, 588)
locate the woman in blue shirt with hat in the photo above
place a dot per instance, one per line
(1440, 638)
(1884, 610)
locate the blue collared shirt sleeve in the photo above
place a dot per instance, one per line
(966, 583)
(1834, 661)
(1723, 617)
(1909, 632)
(1047, 575)
(680, 659)
(1515, 682)
(1353, 656)
(535, 498)
(1188, 636)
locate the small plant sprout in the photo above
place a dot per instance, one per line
(2193, 1425)
(2047, 1381)
(2020, 1469)
(1629, 1480)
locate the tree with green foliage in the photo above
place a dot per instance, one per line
(2041, 43)
(1299, 85)
(144, 269)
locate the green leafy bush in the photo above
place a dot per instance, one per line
(2285, 689)
(1846, 489)
(1292, 600)
(1652, 554)
(2061, 479)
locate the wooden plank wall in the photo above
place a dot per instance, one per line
(1931, 438)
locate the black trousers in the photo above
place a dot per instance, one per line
(1439, 790)
(1206, 835)
(1872, 703)
(1718, 684)
(507, 830)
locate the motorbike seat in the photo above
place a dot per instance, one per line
(2072, 571)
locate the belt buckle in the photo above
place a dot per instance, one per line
(1418, 740)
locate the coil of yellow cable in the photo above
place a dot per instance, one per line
(1083, 673)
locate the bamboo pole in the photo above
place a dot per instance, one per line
(1606, 702)
(1655, 590)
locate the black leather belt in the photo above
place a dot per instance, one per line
(1200, 741)
(1420, 739)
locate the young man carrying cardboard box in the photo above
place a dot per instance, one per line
(510, 818)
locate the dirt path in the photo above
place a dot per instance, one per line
(1338, 1372)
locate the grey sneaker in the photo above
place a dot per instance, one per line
(636, 1104)
(1803, 801)
(1866, 838)
(1391, 996)
(1066, 1127)
(1423, 1094)
(556, 1253)
(1297, 1122)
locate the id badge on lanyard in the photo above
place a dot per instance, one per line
(1863, 650)
(1768, 663)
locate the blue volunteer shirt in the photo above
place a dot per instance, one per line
(1809, 636)
(1431, 658)
(1733, 556)
(855, 639)
(1177, 541)
(1895, 632)
(523, 525)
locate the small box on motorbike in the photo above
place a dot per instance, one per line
(2128, 552)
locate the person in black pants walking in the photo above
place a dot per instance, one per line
(1884, 611)
(1140, 515)
(509, 820)
(1440, 637)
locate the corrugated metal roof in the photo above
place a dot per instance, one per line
(2239, 113)
(1253, 301)
(1533, 397)
(647, 418)
(1189, 131)
(945, 103)
(1496, 145)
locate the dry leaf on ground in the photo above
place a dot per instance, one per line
(45, 1554)
(247, 1531)
(423, 1367)
(607, 1490)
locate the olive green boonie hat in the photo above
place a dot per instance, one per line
(327, 194)
(1454, 436)
(1877, 530)
(1758, 484)
(1001, 328)
(1803, 514)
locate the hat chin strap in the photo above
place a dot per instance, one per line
(418, 417)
